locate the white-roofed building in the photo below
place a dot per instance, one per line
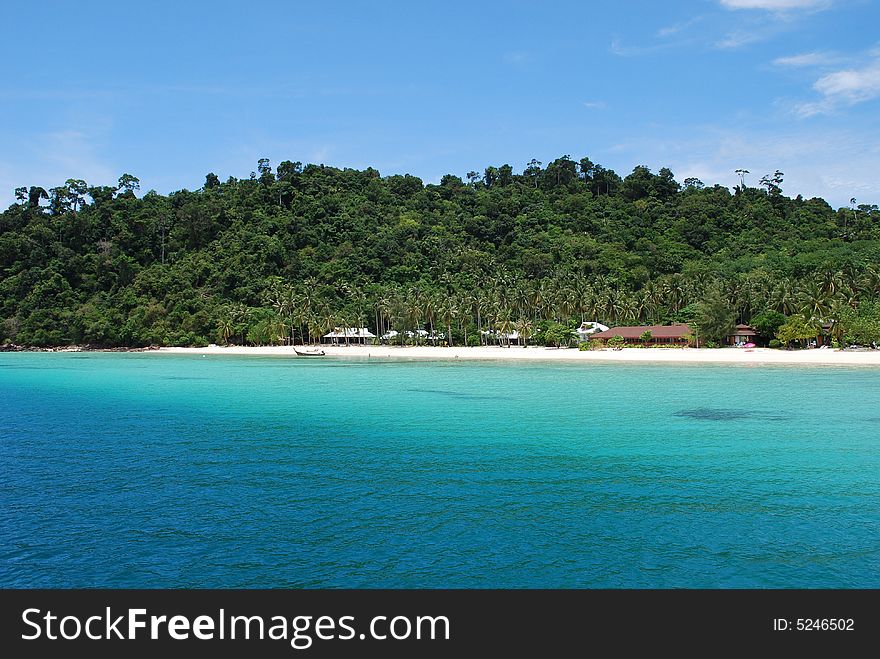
(391, 335)
(588, 328)
(503, 338)
(348, 335)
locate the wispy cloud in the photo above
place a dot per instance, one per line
(594, 105)
(739, 39)
(853, 85)
(836, 165)
(49, 159)
(621, 50)
(844, 88)
(778, 6)
(321, 153)
(722, 31)
(672, 30)
(73, 154)
(805, 60)
(517, 58)
(617, 48)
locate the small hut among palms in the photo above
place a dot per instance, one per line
(741, 335)
(391, 336)
(512, 337)
(348, 335)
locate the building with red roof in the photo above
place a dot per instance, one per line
(677, 334)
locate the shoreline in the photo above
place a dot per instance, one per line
(747, 356)
(536, 353)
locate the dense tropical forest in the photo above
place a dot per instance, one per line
(293, 253)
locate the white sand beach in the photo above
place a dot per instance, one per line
(670, 355)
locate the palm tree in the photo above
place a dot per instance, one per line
(429, 308)
(546, 295)
(276, 329)
(782, 298)
(468, 303)
(569, 303)
(345, 322)
(524, 327)
(284, 303)
(316, 325)
(640, 305)
(400, 314)
(626, 308)
(868, 282)
(831, 281)
(813, 301)
(326, 320)
(836, 311)
(240, 315)
(613, 304)
(384, 305)
(448, 313)
(603, 300)
(585, 299)
(653, 300)
(296, 319)
(523, 296)
(303, 302)
(414, 313)
(481, 305)
(226, 328)
(675, 293)
(504, 325)
(754, 290)
(359, 300)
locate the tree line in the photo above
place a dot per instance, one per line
(290, 254)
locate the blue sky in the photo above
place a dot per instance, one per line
(172, 90)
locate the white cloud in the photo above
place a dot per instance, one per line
(777, 5)
(812, 108)
(738, 39)
(321, 153)
(517, 58)
(671, 30)
(817, 58)
(853, 85)
(843, 88)
(621, 50)
(72, 153)
(835, 164)
(594, 105)
(49, 159)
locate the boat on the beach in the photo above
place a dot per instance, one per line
(309, 352)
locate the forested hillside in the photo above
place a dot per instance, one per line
(301, 250)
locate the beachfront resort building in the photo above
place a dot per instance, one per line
(678, 334)
(503, 338)
(588, 329)
(391, 336)
(741, 335)
(344, 336)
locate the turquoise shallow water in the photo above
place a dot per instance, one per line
(140, 470)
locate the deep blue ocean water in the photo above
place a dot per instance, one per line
(145, 470)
